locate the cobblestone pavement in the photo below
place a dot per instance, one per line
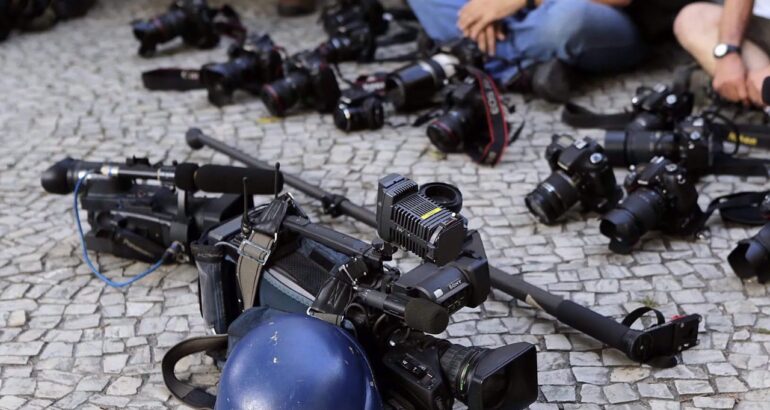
(68, 341)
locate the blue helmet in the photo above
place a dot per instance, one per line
(294, 361)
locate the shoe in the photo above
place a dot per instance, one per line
(553, 80)
(292, 8)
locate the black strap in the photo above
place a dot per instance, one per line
(492, 151)
(229, 24)
(742, 207)
(581, 117)
(632, 317)
(188, 394)
(172, 79)
(752, 135)
(725, 164)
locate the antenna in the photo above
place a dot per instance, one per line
(245, 227)
(275, 179)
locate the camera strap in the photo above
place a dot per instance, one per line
(578, 116)
(172, 79)
(745, 208)
(725, 164)
(255, 250)
(491, 152)
(228, 23)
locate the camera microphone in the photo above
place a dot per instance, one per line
(229, 180)
(419, 314)
(766, 91)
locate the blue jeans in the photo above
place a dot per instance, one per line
(589, 36)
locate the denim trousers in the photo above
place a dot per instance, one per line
(589, 36)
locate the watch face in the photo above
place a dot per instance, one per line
(720, 50)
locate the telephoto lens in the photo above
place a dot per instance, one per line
(660, 197)
(580, 172)
(359, 110)
(751, 258)
(414, 86)
(193, 20)
(251, 65)
(693, 144)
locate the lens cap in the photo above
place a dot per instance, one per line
(445, 195)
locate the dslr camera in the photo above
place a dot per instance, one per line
(352, 42)
(251, 65)
(308, 79)
(580, 172)
(346, 12)
(359, 109)
(662, 197)
(193, 20)
(38, 14)
(659, 108)
(274, 256)
(415, 86)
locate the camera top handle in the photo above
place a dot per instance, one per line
(655, 346)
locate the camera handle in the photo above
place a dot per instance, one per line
(656, 345)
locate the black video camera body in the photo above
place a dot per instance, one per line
(255, 62)
(193, 20)
(580, 173)
(662, 197)
(659, 108)
(309, 79)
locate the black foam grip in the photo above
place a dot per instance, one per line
(766, 91)
(184, 176)
(229, 180)
(593, 324)
(422, 314)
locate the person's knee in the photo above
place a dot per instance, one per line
(694, 20)
(577, 23)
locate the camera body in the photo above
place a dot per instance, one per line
(38, 15)
(659, 108)
(252, 64)
(694, 143)
(193, 20)
(580, 173)
(308, 79)
(662, 197)
(359, 109)
(354, 41)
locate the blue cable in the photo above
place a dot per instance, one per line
(90, 264)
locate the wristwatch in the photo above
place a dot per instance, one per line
(723, 49)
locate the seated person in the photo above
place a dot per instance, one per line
(731, 42)
(539, 42)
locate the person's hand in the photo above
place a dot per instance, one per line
(478, 15)
(730, 78)
(754, 85)
(487, 38)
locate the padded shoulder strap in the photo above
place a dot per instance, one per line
(188, 394)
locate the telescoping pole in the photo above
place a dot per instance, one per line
(657, 345)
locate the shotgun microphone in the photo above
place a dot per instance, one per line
(229, 180)
(419, 314)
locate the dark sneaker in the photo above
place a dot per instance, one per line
(552, 81)
(292, 8)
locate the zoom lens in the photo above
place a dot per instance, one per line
(492, 378)
(449, 131)
(553, 197)
(413, 87)
(638, 213)
(751, 258)
(280, 96)
(158, 30)
(370, 115)
(624, 148)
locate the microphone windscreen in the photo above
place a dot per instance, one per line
(229, 180)
(184, 176)
(55, 180)
(427, 316)
(766, 91)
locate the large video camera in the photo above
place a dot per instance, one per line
(274, 256)
(309, 79)
(251, 65)
(193, 20)
(141, 221)
(38, 14)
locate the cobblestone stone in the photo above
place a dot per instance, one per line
(67, 341)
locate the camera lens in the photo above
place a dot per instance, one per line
(637, 214)
(370, 115)
(414, 86)
(624, 148)
(449, 131)
(553, 197)
(752, 256)
(491, 378)
(279, 96)
(158, 30)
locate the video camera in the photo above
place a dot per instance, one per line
(274, 256)
(141, 221)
